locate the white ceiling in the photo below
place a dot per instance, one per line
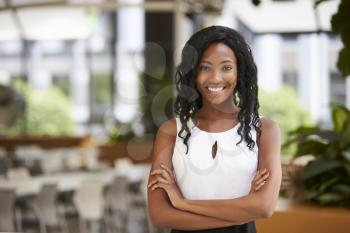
(288, 16)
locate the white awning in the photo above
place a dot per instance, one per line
(285, 16)
(47, 23)
(8, 28)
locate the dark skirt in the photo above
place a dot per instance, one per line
(244, 228)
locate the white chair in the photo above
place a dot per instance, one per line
(117, 204)
(9, 215)
(52, 162)
(89, 202)
(45, 209)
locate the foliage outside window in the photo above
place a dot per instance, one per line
(47, 113)
(283, 106)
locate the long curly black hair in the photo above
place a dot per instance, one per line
(245, 95)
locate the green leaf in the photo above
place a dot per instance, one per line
(328, 135)
(346, 155)
(328, 183)
(341, 25)
(329, 198)
(346, 130)
(344, 61)
(317, 167)
(342, 189)
(311, 194)
(340, 115)
(333, 151)
(339, 20)
(345, 36)
(311, 147)
(347, 168)
(303, 130)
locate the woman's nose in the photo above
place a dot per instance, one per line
(216, 75)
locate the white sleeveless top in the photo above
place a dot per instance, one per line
(227, 176)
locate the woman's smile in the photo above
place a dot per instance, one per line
(215, 90)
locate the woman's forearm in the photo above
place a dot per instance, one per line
(183, 220)
(244, 209)
(163, 214)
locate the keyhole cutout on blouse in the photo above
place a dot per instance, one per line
(214, 149)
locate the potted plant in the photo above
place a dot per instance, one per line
(326, 178)
(124, 143)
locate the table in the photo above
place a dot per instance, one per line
(70, 181)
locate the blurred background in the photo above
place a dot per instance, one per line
(85, 84)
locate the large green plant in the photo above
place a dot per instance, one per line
(326, 179)
(341, 25)
(284, 107)
(47, 113)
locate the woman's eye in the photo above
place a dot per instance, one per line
(227, 68)
(204, 68)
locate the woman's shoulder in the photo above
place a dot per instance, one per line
(168, 127)
(269, 126)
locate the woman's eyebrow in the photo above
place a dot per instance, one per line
(204, 61)
(227, 61)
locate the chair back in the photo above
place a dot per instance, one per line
(46, 201)
(7, 210)
(117, 195)
(88, 199)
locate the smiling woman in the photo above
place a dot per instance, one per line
(217, 74)
(216, 164)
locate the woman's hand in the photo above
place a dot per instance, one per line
(166, 181)
(259, 181)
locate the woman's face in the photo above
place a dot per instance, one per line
(217, 74)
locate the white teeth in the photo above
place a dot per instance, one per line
(215, 89)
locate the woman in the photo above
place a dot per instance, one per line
(206, 160)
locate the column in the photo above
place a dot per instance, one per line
(129, 61)
(79, 82)
(313, 78)
(38, 77)
(267, 54)
(324, 82)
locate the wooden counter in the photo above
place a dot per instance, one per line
(292, 217)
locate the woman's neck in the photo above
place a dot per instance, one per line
(215, 112)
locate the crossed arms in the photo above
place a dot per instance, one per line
(207, 214)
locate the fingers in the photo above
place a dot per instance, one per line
(259, 186)
(158, 172)
(161, 172)
(164, 177)
(262, 178)
(158, 185)
(259, 180)
(259, 174)
(165, 172)
(170, 172)
(158, 179)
